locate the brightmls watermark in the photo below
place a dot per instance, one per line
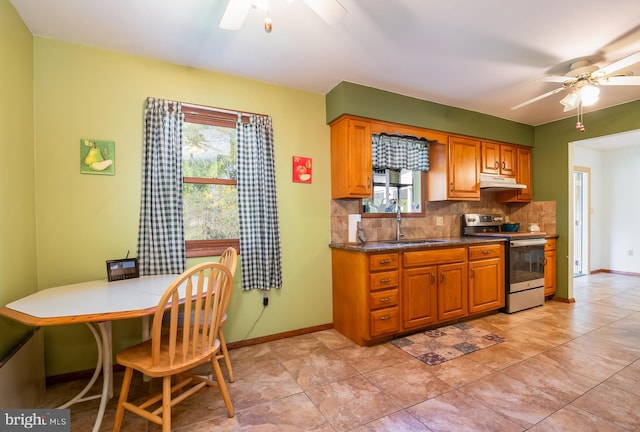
(35, 420)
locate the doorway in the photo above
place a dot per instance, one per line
(581, 188)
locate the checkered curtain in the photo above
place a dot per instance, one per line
(400, 152)
(258, 205)
(161, 235)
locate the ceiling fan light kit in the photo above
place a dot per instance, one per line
(583, 82)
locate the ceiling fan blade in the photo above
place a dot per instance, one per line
(617, 65)
(235, 14)
(535, 99)
(556, 78)
(620, 80)
(329, 10)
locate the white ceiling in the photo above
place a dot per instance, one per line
(481, 55)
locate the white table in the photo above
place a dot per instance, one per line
(95, 304)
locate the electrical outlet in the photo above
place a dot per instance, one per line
(265, 301)
(439, 220)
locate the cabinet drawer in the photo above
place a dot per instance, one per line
(430, 257)
(382, 299)
(550, 244)
(384, 280)
(485, 251)
(383, 261)
(384, 321)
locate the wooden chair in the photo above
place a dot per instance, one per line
(229, 258)
(182, 346)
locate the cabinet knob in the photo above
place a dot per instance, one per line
(451, 187)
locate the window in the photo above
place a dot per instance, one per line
(392, 187)
(210, 194)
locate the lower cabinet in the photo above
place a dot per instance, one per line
(550, 259)
(486, 278)
(379, 295)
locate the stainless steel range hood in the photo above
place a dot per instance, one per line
(494, 182)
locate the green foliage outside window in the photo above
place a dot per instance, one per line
(210, 207)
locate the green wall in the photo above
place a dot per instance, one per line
(83, 220)
(349, 98)
(17, 188)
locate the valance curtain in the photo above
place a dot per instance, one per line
(400, 152)
(258, 205)
(161, 235)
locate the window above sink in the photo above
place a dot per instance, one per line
(392, 187)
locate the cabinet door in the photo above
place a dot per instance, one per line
(490, 163)
(550, 272)
(486, 285)
(419, 297)
(524, 173)
(464, 168)
(508, 160)
(351, 168)
(452, 291)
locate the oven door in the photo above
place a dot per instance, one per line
(526, 264)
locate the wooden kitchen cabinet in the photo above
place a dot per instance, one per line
(486, 278)
(498, 158)
(523, 176)
(434, 286)
(550, 262)
(454, 170)
(351, 168)
(365, 295)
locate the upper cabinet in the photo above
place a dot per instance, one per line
(523, 176)
(454, 170)
(498, 159)
(351, 169)
(455, 162)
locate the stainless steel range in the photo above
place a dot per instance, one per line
(524, 259)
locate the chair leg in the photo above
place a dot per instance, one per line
(222, 385)
(124, 392)
(166, 404)
(225, 353)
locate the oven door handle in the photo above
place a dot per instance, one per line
(528, 242)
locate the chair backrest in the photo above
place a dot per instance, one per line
(191, 335)
(230, 259)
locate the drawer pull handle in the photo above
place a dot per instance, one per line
(385, 281)
(472, 273)
(433, 278)
(485, 252)
(385, 300)
(385, 317)
(497, 165)
(385, 261)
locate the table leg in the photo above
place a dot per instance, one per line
(102, 334)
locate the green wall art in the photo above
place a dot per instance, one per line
(97, 157)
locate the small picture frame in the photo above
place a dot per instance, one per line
(302, 169)
(97, 157)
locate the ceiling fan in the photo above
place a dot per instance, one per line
(583, 81)
(329, 10)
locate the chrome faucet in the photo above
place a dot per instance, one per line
(399, 233)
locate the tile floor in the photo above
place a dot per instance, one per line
(564, 367)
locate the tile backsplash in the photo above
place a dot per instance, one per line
(384, 228)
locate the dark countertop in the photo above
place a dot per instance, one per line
(409, 244)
